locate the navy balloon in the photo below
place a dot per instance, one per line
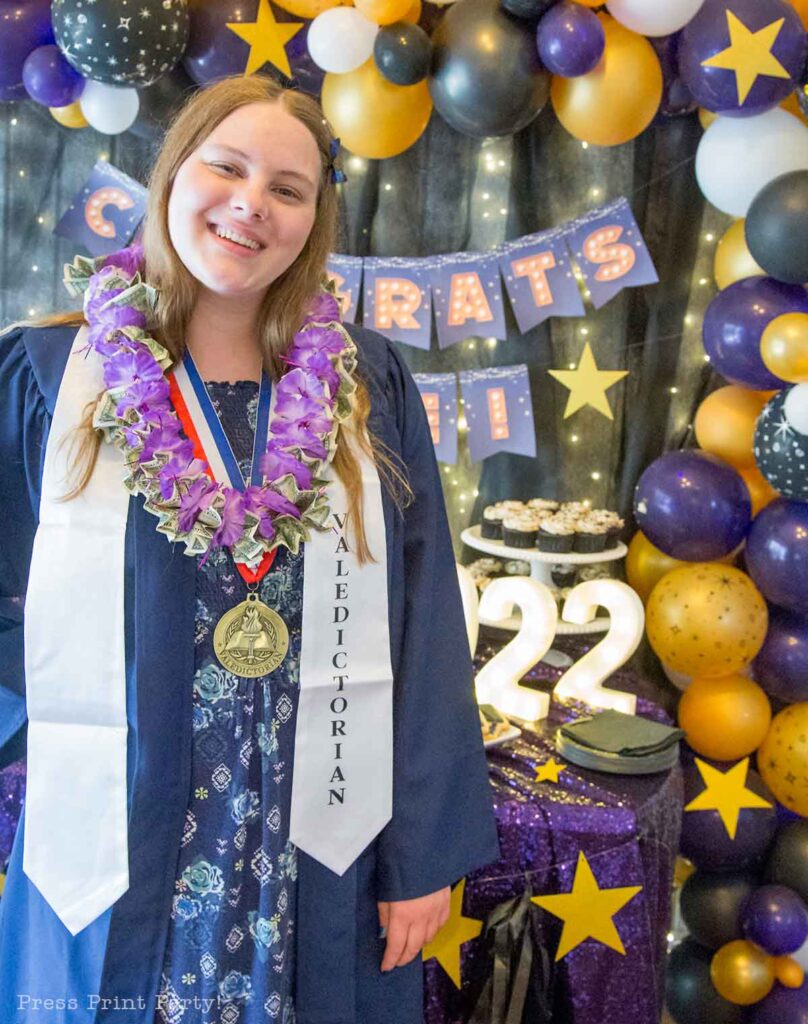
(712, 904)
(777, 554)
(721, 89)
(781, 451)
(776, 227)
(781, 666)
(49, 79)
(693, 506)
(776, 919)
(403, 53)
(705, 840)
(570, 39)
(782, 1006)
(690, 996)
(735, 321)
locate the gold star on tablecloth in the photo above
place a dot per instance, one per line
(588, 385)
(726, 793)
(267, 39)
(445, 947)
(588, 910)
(749, 54)
(549, 771)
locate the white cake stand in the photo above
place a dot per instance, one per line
(540, 563)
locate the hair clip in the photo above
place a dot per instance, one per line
(337, 176)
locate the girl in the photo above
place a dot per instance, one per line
(255, 772)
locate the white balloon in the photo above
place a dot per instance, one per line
(109, 108)
(738, 156)
(795, 408)
(341, 40)
(654, 17)
(801, 956)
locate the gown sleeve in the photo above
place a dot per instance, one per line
(24, 423)
(443, 823)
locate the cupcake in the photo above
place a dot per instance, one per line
(556, 533)
(519, 529)
(542, 505)
(614, 527)
(516, 567)
(563, 575)
(590, 534)
(492, 522)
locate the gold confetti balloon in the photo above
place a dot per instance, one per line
(706, 619)
(783, 758)
(725, 717)
(742, 973)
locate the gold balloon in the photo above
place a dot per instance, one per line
(725, 423)
(742, 973)
(619, 99)
(413, 15)
(783, 758)
(646, 564)
(725, 717)
(590, 3)
(706, 619)
(70, 116)
(801, 7)
(733, 260)
(760, 490)
(788, 972)
(706, 117)
(383, 12)
(373, 117)
(784, 347)
(311, 8)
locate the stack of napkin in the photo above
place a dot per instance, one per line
(624, 744)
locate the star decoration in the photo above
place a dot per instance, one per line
(588, 910)
(726, 793)
(267, 39)
(749, 54)
(549, 771)
(588, 385)
(445, 947)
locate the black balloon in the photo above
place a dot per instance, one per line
(105, 43)
(777, 227)
(486, 75)
(403, 53)
(712, 905)
(532, 10)
(689, 993)
(161, 101)
(781, 452)
(788, 861)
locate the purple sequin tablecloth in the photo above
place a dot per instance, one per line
(628, 828)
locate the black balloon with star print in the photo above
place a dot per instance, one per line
(781, 451)
(121, 42)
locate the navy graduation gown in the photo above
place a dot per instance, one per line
(442, 826)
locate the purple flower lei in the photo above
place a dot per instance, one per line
(136, 414)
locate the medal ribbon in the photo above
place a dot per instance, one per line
(203, 427)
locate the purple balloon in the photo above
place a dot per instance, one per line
(708, 34)
(693, 506)
(781, 667)
(570, 39)
(676, 97)
(777, 553)
(49, 79)
(782, 1006)
(735, 321)
(706, 841)
(776, 919)
(24, 25)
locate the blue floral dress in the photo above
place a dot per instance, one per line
(230, 954)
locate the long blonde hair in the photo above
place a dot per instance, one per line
(286, 300)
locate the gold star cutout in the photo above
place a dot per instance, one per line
(549, 771)
(587, 911)
(588, 385)
(445, 947)
(749, 54)
(726, 793)
(267, 39)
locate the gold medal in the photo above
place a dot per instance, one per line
(251, 639)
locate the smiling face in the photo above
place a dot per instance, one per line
(243, 203)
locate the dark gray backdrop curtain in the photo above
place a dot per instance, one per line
(452, 193)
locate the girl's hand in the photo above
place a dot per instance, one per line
(411, 924)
